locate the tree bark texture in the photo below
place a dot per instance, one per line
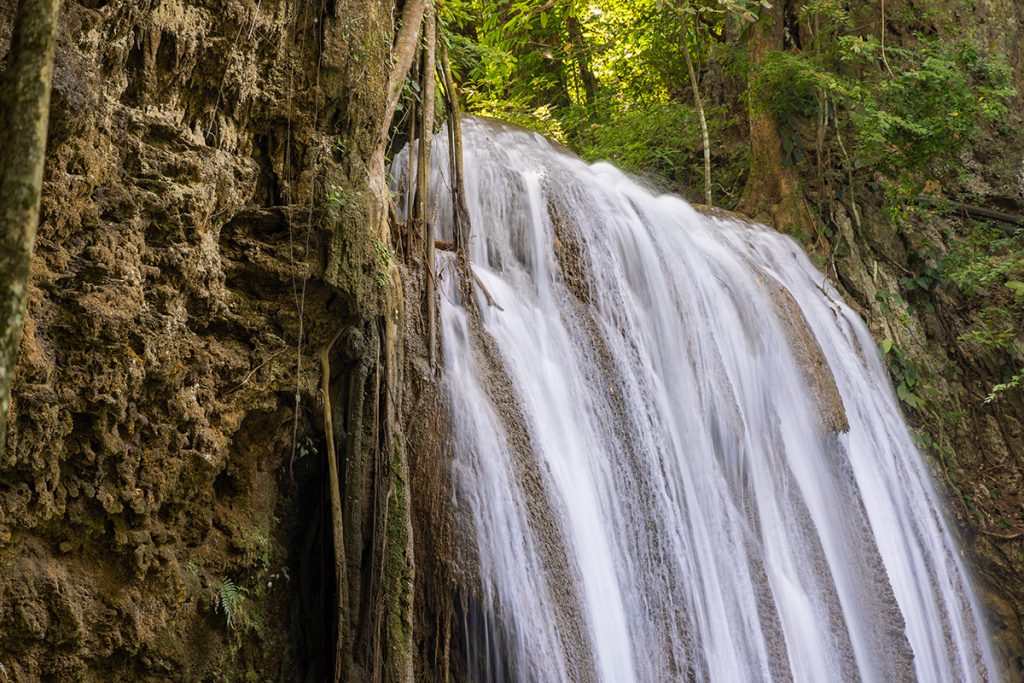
(24, 119)
(772, 192)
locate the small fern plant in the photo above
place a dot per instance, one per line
(231, 598)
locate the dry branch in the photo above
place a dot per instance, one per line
(445, 245)
(971, 211)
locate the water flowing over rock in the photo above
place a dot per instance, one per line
(678, 448)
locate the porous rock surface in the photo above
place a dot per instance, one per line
(185, 240)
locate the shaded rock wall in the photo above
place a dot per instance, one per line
(186, 234)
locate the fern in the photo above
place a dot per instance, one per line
(3, 672)
(232, 596)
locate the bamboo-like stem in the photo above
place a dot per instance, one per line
(699, 102)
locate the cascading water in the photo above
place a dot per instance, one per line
(678, 449)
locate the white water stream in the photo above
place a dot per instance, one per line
(659, 486)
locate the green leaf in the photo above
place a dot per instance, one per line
(908, 397)
(886, 346)
(1017, 288)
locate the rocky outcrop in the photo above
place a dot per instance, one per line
(205, 229)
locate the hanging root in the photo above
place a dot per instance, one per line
(422, 206)
(444, 245)
(460, 212)
(337, 529)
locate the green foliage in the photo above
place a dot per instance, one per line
(256, 549)
(1015, 382)
(231, 598)
(932, 108)
(987, 262)
(905, 373)
(889, 301)
(927, 276)
(916, 119)
(384, 260)
(338, 197)
(529, 63)
(987, 267)
(660, 140)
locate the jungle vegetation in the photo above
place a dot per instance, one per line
(793, 112)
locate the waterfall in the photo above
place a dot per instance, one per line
(677, 449)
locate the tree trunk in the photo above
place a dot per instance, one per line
(699, 103)
(423, 217)
(25, 97)
(404, 52)
(773, 192)
(579, 49)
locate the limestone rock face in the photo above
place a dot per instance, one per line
(183, 246)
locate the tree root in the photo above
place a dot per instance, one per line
(444, 245)
(337, 528)
(1003, 537)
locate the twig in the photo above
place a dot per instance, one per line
(444, 245)
(422, 205)
(460, 210)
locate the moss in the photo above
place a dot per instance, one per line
(352, 255)
(398, 572)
